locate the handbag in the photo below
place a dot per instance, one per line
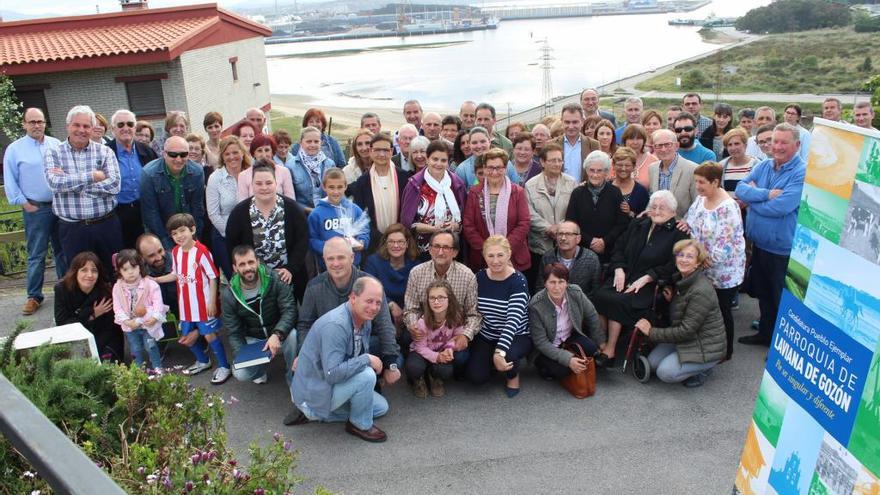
(583, 384)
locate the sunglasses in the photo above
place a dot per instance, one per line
(124, 124)
(177, 154)
(687, 128)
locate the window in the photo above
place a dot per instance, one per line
(145, 98)
(34, 98)
(233, 61)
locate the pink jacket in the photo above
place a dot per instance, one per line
(150, 296)
(282, 176)
(435, 340)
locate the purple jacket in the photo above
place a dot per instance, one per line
(409, 203)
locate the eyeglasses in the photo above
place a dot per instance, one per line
(177, 154)
(494, 169)
(439, 247)
(687, 128)
(663, 145)
(437, 298)
(567, 234)
(120, 125)
(36, 122)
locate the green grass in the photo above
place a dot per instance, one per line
(293, 125)
(820, 61)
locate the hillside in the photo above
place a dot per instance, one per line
(820, 61)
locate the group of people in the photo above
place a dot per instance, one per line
(447, 248)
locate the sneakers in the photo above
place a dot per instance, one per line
(697, 380)
(437, 388)
(30, 306)
(221, 374)
(420, 390)
(197, 368)
(261, 379)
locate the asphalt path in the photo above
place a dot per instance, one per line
(629, 438)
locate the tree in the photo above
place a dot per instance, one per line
(10, 109)
(694, 79)
(866, 66)
(785, 16)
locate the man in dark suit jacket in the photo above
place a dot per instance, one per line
(132, 157)
(572, 140)
(590, 104)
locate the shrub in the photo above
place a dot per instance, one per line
(152, 433)
(694, 79)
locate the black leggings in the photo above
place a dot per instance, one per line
(725, 303)
(480, 366)
(551, 368)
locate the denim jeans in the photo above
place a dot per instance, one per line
(354, 400)
(138, 340)
(221, 255)
(288, 349)
(103, 238)
(664, 361)
(41, 228)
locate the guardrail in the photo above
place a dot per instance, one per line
(57, 459)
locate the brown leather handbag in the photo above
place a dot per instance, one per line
(583, 384)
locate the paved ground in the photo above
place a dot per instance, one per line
(629, 438)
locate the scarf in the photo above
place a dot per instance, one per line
(596, 191)
(385, 203)
(499, 226)
(313, 165)
(445, 198)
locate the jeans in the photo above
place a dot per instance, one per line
(664, 362)
(551, 368)
(221, 255)
(131, 221)
(480, 364)
(767, 274)
(725, 303)
(355, 401)
(41, 228)
(138, 340)
(288, 350)
(416, 366)
(376, 350)
(102, 238)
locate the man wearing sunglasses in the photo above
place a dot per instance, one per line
(170, 185)
(132, 156)
(689, 147)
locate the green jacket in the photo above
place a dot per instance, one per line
(697, 327)
(277, 312)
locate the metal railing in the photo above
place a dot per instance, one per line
(55, 457)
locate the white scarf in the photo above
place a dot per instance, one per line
(445, 198)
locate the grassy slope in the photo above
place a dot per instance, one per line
(821, 61)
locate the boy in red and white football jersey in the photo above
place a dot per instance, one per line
(196, 276)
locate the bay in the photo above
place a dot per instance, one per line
(500, 66)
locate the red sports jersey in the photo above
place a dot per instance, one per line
(194, 269)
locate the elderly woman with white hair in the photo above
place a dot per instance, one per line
(418, 156)
(595, 207)
(641, 258)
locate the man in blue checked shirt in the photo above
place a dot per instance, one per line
(25, 185)
(84, 178)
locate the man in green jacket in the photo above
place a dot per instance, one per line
(258, 306)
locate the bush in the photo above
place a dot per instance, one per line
(785, 16)
(152, 433)
(694, 79)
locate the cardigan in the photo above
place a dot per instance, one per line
(476, 231)
(361, 192)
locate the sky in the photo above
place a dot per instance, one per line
(80, 7)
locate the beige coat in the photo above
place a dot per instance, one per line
(682, 185)
(542, 212)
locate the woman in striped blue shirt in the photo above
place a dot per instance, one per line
(502, 300)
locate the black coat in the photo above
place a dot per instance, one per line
(604, 220)
(296, 238)
(708, 137)
(361, 192)
(639, 256)
(75, 306)
(145, 153)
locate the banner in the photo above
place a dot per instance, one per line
(816, 424)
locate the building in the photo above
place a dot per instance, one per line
(196, 58)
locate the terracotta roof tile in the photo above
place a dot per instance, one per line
(84, 42)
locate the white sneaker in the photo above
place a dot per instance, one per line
(261, 379)
(197, 368)
(221, 375)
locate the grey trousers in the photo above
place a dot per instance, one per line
(665, 364)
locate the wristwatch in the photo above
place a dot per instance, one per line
(501, 353)
(279, 334)
(392, 367)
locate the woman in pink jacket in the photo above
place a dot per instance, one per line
(138, 307)
(431, 353)
(497, 207)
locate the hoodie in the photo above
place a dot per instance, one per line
(327, 221)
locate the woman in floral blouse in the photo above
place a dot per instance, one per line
(715, 221)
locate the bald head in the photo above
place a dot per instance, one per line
(431, 125)
(152, 250)
(257, 118)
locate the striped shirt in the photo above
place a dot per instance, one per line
(75, 194)
(195, 269)
(504, 306)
